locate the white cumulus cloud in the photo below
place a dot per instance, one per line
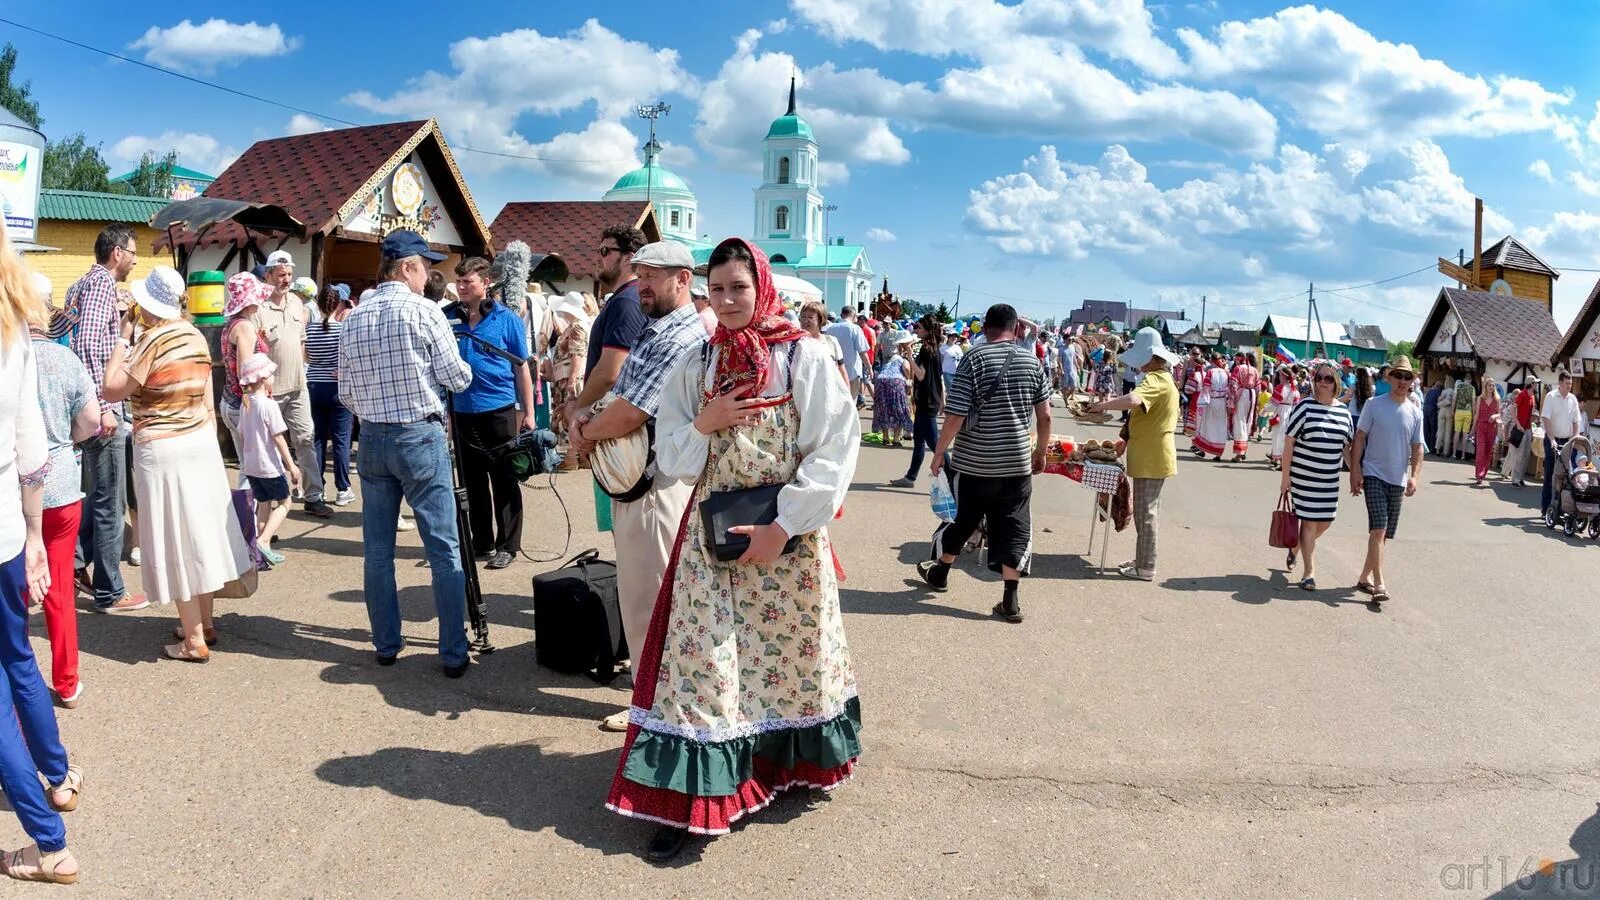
(1540, 169)
(882, 235)
(1343, 82)
(212, 44)
(200, 152)
(300, 123)
(498, 80)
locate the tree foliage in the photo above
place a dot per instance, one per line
(153, 177)
(1402, 348)
(1149, 322)
(16, 97)
(75, 165)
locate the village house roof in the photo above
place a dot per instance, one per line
(1236, 338)
(1512, 329)
(1368, 336)
(571, 229)
(1510, 253)
(96, 206)
(1572, 341)
(324, 177)
(1095, 311)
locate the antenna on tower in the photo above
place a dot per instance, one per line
(652, 111)
(791, 93)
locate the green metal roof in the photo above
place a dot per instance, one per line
(177, 172)
(641, 178)
(831, 256)
(790, 126)
(93, 206)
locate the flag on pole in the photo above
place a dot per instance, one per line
(1284, 354)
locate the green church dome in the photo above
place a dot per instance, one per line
(653, 177)
(790, 126)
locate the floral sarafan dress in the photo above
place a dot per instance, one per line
(746, 686)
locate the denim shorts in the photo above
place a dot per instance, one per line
(269, 490)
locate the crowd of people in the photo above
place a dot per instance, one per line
(742, 679)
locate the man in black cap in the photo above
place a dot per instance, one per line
(396, 356)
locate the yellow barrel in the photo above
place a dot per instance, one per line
(208, 295)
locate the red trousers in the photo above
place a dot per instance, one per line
(60, 605)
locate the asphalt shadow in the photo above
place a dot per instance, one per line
(532, 789)
(1539, 877)
(1254, 590)
(914, 601)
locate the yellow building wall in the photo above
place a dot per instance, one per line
(76, 254)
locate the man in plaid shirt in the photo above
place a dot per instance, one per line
(396, 354)
(646, 527)
(91, 318)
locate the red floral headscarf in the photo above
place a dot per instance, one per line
(746, 354)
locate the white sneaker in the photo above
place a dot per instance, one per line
(134, 558)
(405, 524)
(345, 498)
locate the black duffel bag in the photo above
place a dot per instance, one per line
(577, 623)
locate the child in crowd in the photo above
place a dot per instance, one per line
(264, 457)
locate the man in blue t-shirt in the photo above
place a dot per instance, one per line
(619, 325)
(1386, 459)
(487, 413)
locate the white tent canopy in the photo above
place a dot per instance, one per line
(795, 290)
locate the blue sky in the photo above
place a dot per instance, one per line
(1041, 151)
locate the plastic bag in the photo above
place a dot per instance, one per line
(942, 498)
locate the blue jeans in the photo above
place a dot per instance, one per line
(100, 534)
(410, 461)
(924, 437)
(25, 702)
(331, 422)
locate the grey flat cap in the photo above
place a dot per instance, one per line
(664, 255)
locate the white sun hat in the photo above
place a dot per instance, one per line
(160, 293)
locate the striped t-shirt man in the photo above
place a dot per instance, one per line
(996, 441)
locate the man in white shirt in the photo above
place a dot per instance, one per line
(950, 359)
(854, 344)
(1563, 419)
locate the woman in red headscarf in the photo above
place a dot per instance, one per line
(745, 685)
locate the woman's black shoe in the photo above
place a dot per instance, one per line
(667, 843)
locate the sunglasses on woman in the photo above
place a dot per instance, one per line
(1326, 379)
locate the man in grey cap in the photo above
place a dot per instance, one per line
(646, 527)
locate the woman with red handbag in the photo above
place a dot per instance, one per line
(1316, 441)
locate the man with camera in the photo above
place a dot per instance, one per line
(396, 354)
(647, 526)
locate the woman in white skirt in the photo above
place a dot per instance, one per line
(189, 533)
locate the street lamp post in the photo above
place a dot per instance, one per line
(827, 255)
(652, 111)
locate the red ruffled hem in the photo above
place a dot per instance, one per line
(716, 815)
(1208, 447)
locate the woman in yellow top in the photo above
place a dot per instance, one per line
(190, 535)
(1152, 459)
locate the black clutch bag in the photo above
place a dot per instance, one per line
(722, 510)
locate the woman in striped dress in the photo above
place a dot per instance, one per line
(331, 423)
(1316, 440)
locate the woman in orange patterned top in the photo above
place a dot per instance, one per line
(190, 536)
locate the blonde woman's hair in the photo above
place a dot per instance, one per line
(19, 307)
(1486, 384)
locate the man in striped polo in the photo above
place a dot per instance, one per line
(1000, 394)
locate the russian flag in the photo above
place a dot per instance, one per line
(1284, 354)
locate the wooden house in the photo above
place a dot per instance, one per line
(1516, 270)
(1470, 333)
(1579, 353)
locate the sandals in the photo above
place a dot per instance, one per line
(1308, 584)
(1363, 587)
(182, 653)
(1379, 595)
(28, 864)
(210, 634)
(1288, 562)
(72, 784)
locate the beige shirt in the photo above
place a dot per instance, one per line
(284, 327)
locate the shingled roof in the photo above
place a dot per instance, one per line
(1572, 341)
(1511, 253)
(1512, 329)
(323, 177)
(571, 229)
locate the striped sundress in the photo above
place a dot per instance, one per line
(1321, 433)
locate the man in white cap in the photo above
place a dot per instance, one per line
(647, 526)
(282, 321)
(1147, 439)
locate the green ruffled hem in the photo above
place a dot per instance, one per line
(717, 769)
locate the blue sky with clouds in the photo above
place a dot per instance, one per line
(1037, 150)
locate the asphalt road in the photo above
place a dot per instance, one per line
(1218, 733)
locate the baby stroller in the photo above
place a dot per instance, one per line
(1576, 488)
